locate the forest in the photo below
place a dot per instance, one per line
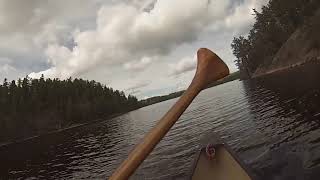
(272, 28)
(31, 107)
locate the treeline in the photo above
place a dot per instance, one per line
(157, 99)
(273, 26)
(34, 106)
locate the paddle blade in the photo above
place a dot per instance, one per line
(210, 67)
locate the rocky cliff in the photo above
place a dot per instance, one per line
(302, 47)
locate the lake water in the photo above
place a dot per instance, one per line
(274, 130)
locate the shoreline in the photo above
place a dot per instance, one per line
(7, 144)
(286, 69)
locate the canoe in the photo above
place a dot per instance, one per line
(218, 162)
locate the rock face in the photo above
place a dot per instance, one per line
(302, 47)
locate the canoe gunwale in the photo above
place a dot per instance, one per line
(231, 152)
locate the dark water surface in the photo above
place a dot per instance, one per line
(274, 130)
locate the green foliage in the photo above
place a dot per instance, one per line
(34, 106)
(273, 26)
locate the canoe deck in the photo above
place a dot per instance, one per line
(224, 166)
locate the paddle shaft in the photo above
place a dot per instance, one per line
(209, 69)
(143, 149)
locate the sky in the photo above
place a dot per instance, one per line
(143, 47)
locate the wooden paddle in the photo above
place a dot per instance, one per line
(209, 69)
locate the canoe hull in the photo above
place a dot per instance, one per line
(224, 166)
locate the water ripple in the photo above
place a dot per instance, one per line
(253, 120)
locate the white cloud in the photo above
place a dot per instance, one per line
(135, 86)
(184, 65)
(28, 27)
(138, 65)
(52, 33)
(5, 60)
(120, 42)
(138, 84)
(241, 19)
(6, 68)
(125, 33)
